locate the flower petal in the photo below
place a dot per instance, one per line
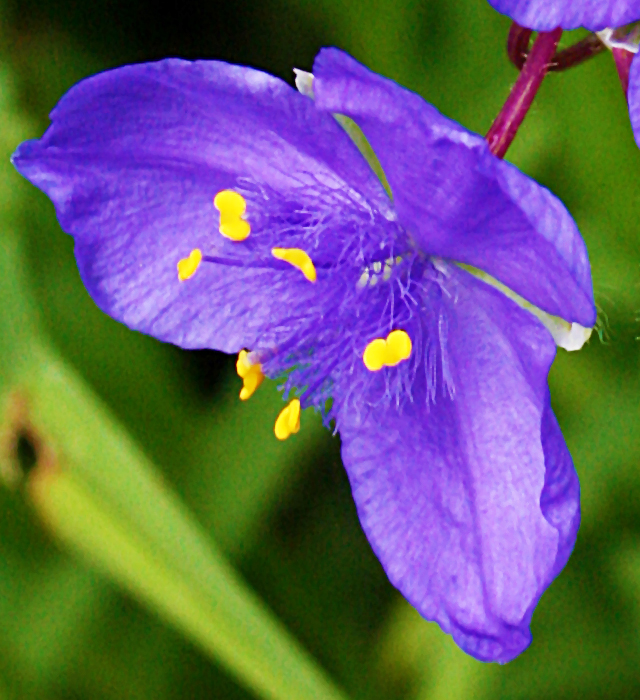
(456, 198)
(471, 502)
(545, 15)
(132, 162)
(633, 97)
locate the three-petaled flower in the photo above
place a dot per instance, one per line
(288, 245)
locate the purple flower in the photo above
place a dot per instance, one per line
(544, 15)
(287, 244)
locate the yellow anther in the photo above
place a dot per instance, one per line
(381, 353)
(375, 354)
(251, 375)
(298, 258)
(187, 266)
(398, 347)
(232, 206)
(243, 366)
(288, 422)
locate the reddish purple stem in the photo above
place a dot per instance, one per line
(518, 44)
(583, 50)
(580, 52)
(507, 123)
(623, 60)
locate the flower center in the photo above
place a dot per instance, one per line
(362, 323)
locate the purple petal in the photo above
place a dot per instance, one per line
(545, 15)
(132, 161)
(633, 97)
(456, 198)
(471, 503)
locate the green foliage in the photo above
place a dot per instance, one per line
(153, 493)
(99, 495)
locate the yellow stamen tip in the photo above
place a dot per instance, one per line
(398, 347)
(374, 355)
(234, 228)
(187, 267)
(232, 206)
(251, 375)
(298, 258)
(242, 363)
(250, 383)
(381, 353)
(288, 421)
(230, 202)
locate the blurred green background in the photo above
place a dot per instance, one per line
(119, 595)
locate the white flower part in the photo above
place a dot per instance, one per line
(442, 266)
(304, 82)
(612, 39)
(569, 336)
(378, 272)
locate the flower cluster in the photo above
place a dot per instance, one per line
(213, 206)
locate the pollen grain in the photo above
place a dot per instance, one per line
(387, 352)
(288, 421)
(187, 267)
(232, 206)
(298, 258)
(251, 375)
